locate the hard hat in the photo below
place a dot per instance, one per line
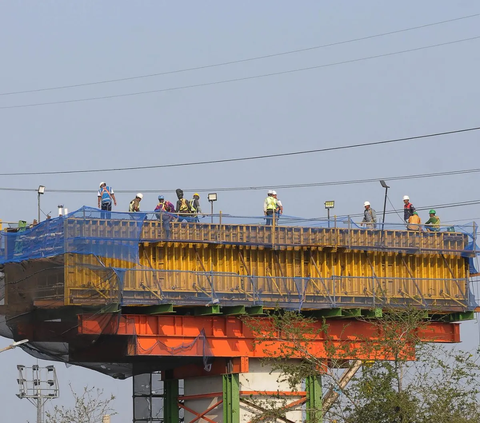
(432, 212)
(196, 194)
(140, 195)
(367, 203)
(406, 197)
(270, 192)
(102, 183)
(161, 197)
(274, 192)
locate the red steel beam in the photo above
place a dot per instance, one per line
(228, 336)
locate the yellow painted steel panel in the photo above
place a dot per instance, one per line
(349, 265)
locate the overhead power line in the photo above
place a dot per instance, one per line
(263, 187)
(228, 81)
(248, 158)
(232, 62)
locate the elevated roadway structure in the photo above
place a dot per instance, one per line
(133, 294)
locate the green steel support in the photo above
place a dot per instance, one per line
(207, 311)
(313, 386)
(231, 398)
(170, 410)
(255, 311)
(150, 310)
(372, 313)
(234, 310)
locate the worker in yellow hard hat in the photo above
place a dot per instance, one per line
(195, 206)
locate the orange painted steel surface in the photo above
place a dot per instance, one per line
(221, 336)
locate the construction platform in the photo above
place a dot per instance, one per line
(133, 293)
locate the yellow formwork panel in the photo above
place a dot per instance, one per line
(357, 273)
(349, 265)
(91, 279)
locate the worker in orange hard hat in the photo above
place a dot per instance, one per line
(195, 206)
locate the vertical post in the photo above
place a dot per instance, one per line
(273, 228)
(231, 398)
(39, 410)
(211, 211)
(313, 386)
(171, 414)
(384, 207)
(38, 220)
(328, 216)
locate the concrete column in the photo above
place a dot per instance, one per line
(204, 393)
(261, 379)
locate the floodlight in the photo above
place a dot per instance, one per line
(41, 189)
(329, 204)
(384, 185)
(212, 197)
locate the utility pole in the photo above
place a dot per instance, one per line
(38, 385)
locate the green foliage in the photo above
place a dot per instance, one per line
(407, 381)
(90, 407)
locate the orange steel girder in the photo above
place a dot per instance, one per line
(228, 336)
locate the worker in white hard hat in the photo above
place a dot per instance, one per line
(369, 216)
(279, 211)
(408, 208)
(269, 207)
(135, 203)
(105, 198)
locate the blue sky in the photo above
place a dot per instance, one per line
(50, 44)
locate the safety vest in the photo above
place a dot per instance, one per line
(184, 207)
(192, 206)
(271, 203)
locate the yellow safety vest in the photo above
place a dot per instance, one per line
(271, 203)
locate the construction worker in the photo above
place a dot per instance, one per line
(369, 216)
(433, 224)
(105, 197)
(195, 207)
(279, 205)
(414, 222)
(135, 203)
(269, 207)
(408, 208)
(183, 207)
(164, 210)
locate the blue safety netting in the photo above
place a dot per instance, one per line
(117, 234)
(85, 231)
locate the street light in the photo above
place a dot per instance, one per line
(14, 345)
(212, 197)
(40, 191)
(38, 385)
(384, 185)
(329, 205)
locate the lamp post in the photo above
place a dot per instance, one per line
(40, 191)
(14, 345)
(212, 197)
(329, 205)
(384, 185)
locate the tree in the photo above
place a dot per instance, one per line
(407, 381)
(90, 407)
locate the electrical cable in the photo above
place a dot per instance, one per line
(261, 187)
(232, 62)
(228, 81)
(240, 159)
(393, 207)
